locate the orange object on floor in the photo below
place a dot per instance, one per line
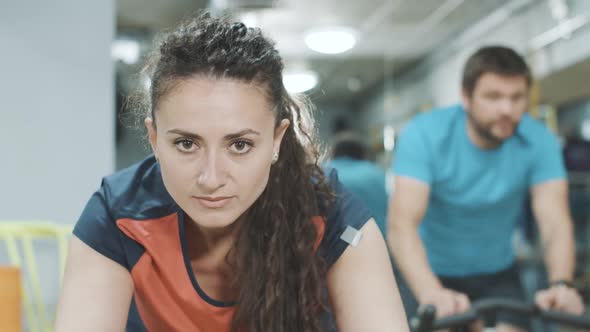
(10, 299)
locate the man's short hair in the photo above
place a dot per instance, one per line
(493, 59)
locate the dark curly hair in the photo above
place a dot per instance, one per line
(278, 274)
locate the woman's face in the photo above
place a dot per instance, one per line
(215, 140)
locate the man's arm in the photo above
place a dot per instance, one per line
(551, 210)
(406, 210)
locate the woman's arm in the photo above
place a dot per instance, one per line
(96, 292)
(362, 288)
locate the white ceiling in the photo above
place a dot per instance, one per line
(394, 34)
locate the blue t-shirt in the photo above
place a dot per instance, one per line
(367, 181)
(132, 220)
(476, 195)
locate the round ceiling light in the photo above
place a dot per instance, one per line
(300, 81)
(331, 40)
(126, 50)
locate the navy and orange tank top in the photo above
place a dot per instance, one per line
(133, 221)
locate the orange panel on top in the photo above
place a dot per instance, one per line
(320, 224)
(164, 294)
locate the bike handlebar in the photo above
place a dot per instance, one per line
(425, 321)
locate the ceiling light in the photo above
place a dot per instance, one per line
(330, 40)
(125, 50)
(559, 9)
(250, 19)
(300, 81)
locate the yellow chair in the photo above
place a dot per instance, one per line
(25, 233)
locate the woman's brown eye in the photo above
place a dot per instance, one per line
(187, 145)
(241, 147)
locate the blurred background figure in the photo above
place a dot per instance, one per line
(463, 174)
(356, 170)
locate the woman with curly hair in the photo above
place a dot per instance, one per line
(231, 224)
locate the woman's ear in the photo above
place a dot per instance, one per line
(279, 133)
(152, 134)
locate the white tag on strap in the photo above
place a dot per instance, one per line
(352, 236)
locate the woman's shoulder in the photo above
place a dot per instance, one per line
(344, 215)
(136, 191)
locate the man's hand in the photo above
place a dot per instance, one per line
(561, 298)
(447, 302)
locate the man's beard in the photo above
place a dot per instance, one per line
(484, 132)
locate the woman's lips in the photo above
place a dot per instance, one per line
(213, 202)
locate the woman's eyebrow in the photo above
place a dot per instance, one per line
(184, 133)
(241, 133)
(226, 137)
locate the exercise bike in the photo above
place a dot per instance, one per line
(425, 320)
